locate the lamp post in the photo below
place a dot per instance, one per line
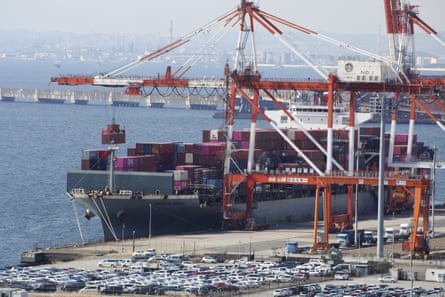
(133, 241)
(381, 198)
(433, 190)
(123, 234)
(149, 223)
(357, 154)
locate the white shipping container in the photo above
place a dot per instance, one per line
(188, 158)
(214, 134)
(180, 175)
(363, 71)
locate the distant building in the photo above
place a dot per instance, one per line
(12, 292)
(435, 275)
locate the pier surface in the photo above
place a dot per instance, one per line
(265, 244)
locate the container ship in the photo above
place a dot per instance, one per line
(175, 187)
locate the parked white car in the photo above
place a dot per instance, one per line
(189, 264)
(139, 253)
(341, 275)
(208, 259)
(387, 279)
(109, 263)
(144, 253)
(282, 292)
(125, 262)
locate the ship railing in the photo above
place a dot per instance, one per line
(404, 174)
(202, 186)
(125, 192)
(290, 171)
(78, 191)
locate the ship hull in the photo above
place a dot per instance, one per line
(301, 209)
(124, 218)
(146, 217)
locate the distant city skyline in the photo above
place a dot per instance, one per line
(182, 17)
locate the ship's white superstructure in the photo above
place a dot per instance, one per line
(315, 117)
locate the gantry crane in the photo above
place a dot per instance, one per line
(245, 79)
(406, 81)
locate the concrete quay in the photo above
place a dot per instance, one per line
(265, 244)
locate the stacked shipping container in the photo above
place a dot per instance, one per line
(203, 163)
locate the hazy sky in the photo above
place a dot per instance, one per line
(150, 16)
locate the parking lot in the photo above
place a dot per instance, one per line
(259, 278)
(177, 274)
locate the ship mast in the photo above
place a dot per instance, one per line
(112, 150)
(113, 135)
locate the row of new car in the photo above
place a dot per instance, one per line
(361, 290)
(135, 279)
(195, 279)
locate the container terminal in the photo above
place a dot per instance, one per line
(386, 77)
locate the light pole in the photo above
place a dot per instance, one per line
(149, 223)
(356, 196)
(392, 245)
(133, 240)
(381, 198)
(411, 255)
(433, 190)
(123, 234)
(250, 249)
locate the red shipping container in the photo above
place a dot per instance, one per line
(85, 165)
(163, 148)
(206, 135)
(167, 157)
(179, 185)
(188, 147)
(104, 154)
(180, 159)
(131, 151)
(147, 163)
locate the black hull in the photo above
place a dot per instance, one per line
(183, 214)
(156, 216)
